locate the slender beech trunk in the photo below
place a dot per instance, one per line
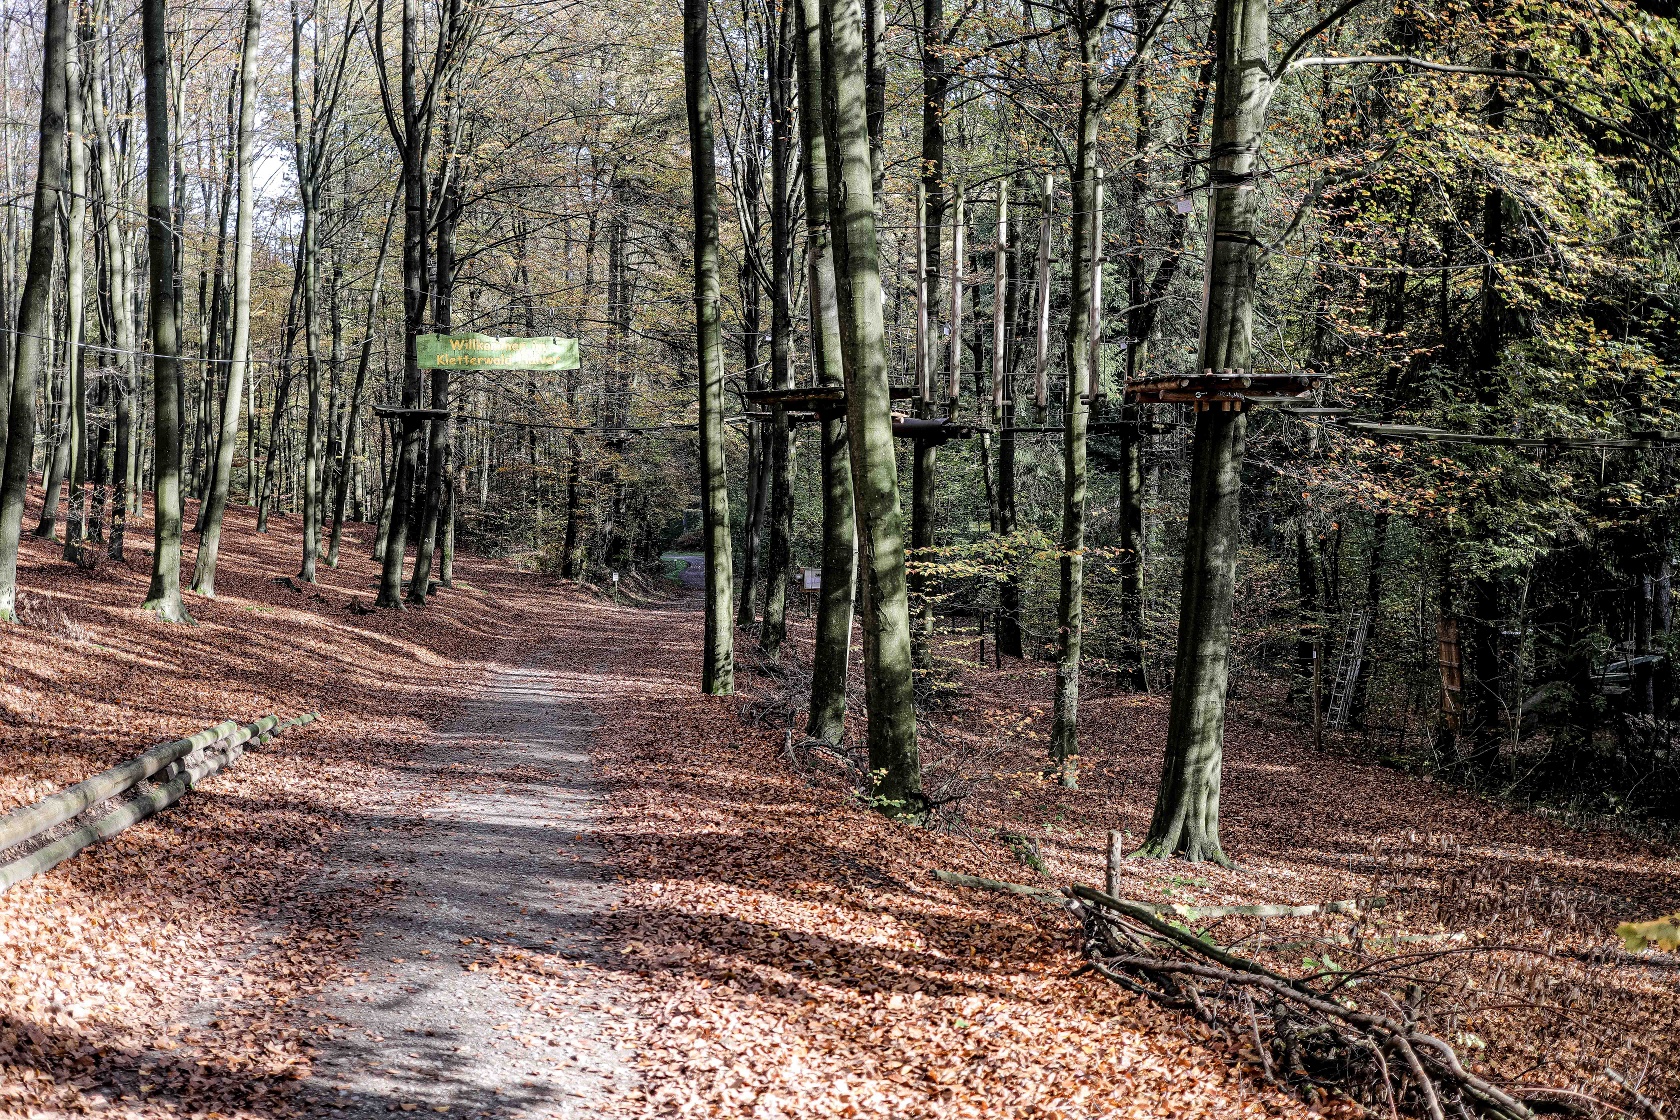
(780, 551)
(119, 281)
(233, 393)
(1007, 625)
(832, 661)
(717, 670)
(894, 759)
(164, 593)
(1186, 817)
(306, 153)
(443, 302)
(282, 399)
(1070, 604)
(33, 321)
(75, 327)
(362, 359)
(758, 443)
(936, 85)
(57, 458)
(412, 144)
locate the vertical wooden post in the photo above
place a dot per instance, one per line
(1116, 854)
(1041, 357)
(1000, 281)
(1318, 695)
(1095, 388)
(924, 340)
(958, 262)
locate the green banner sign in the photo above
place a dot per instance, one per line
(483, 351)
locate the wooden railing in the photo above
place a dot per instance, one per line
(174, 768)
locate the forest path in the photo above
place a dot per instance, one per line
(501, 862)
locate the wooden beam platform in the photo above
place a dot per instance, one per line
(1224, 389)
(933, 431)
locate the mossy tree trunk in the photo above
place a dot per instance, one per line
(894, 760)
(1186, 817)
(717, 672)
(1064, 728)
(831, 664)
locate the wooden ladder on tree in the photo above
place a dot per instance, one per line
(1349, 658)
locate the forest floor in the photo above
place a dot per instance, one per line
(520, 867)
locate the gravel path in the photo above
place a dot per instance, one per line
(504, 860)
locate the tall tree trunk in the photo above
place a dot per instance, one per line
(33, 321)
(782, 77)
(119, 280)
(758, 442)
(164, 593)
(1007, 625)
(936, 84)
(57, 457)
(443, 302)
(1070, 602)
(894, 759)
(277, 408)
(362, 359)
(832, 661)
(1186, 817)
(306, 155)
(75, 328)
(415, 292)
(215, 505)
(717, 670)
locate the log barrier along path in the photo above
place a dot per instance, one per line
(502, 862)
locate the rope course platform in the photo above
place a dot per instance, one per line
(1227, 390)
(399, 411)
(822, 401)
(1418, 433)
(935, 431)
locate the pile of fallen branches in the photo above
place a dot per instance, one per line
(1345, 1034)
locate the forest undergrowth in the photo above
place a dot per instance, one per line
(1496, 923)
(789, 950)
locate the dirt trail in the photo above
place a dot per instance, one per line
(505, 861)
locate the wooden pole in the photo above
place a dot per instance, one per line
(31, 820)
(1095, 387)
(1116, 855)
(999, 283)
(1041, 357)
(957, 262)
(1318, 696)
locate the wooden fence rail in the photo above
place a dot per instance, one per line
(183, 764)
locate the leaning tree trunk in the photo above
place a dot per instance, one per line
(1186, 818)
(717, 670)
(33, 322)
(831, 663)
(209, 540)
(894, 759)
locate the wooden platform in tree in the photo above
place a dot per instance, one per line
(1226, 389)
(823, 400)
(933, 430)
